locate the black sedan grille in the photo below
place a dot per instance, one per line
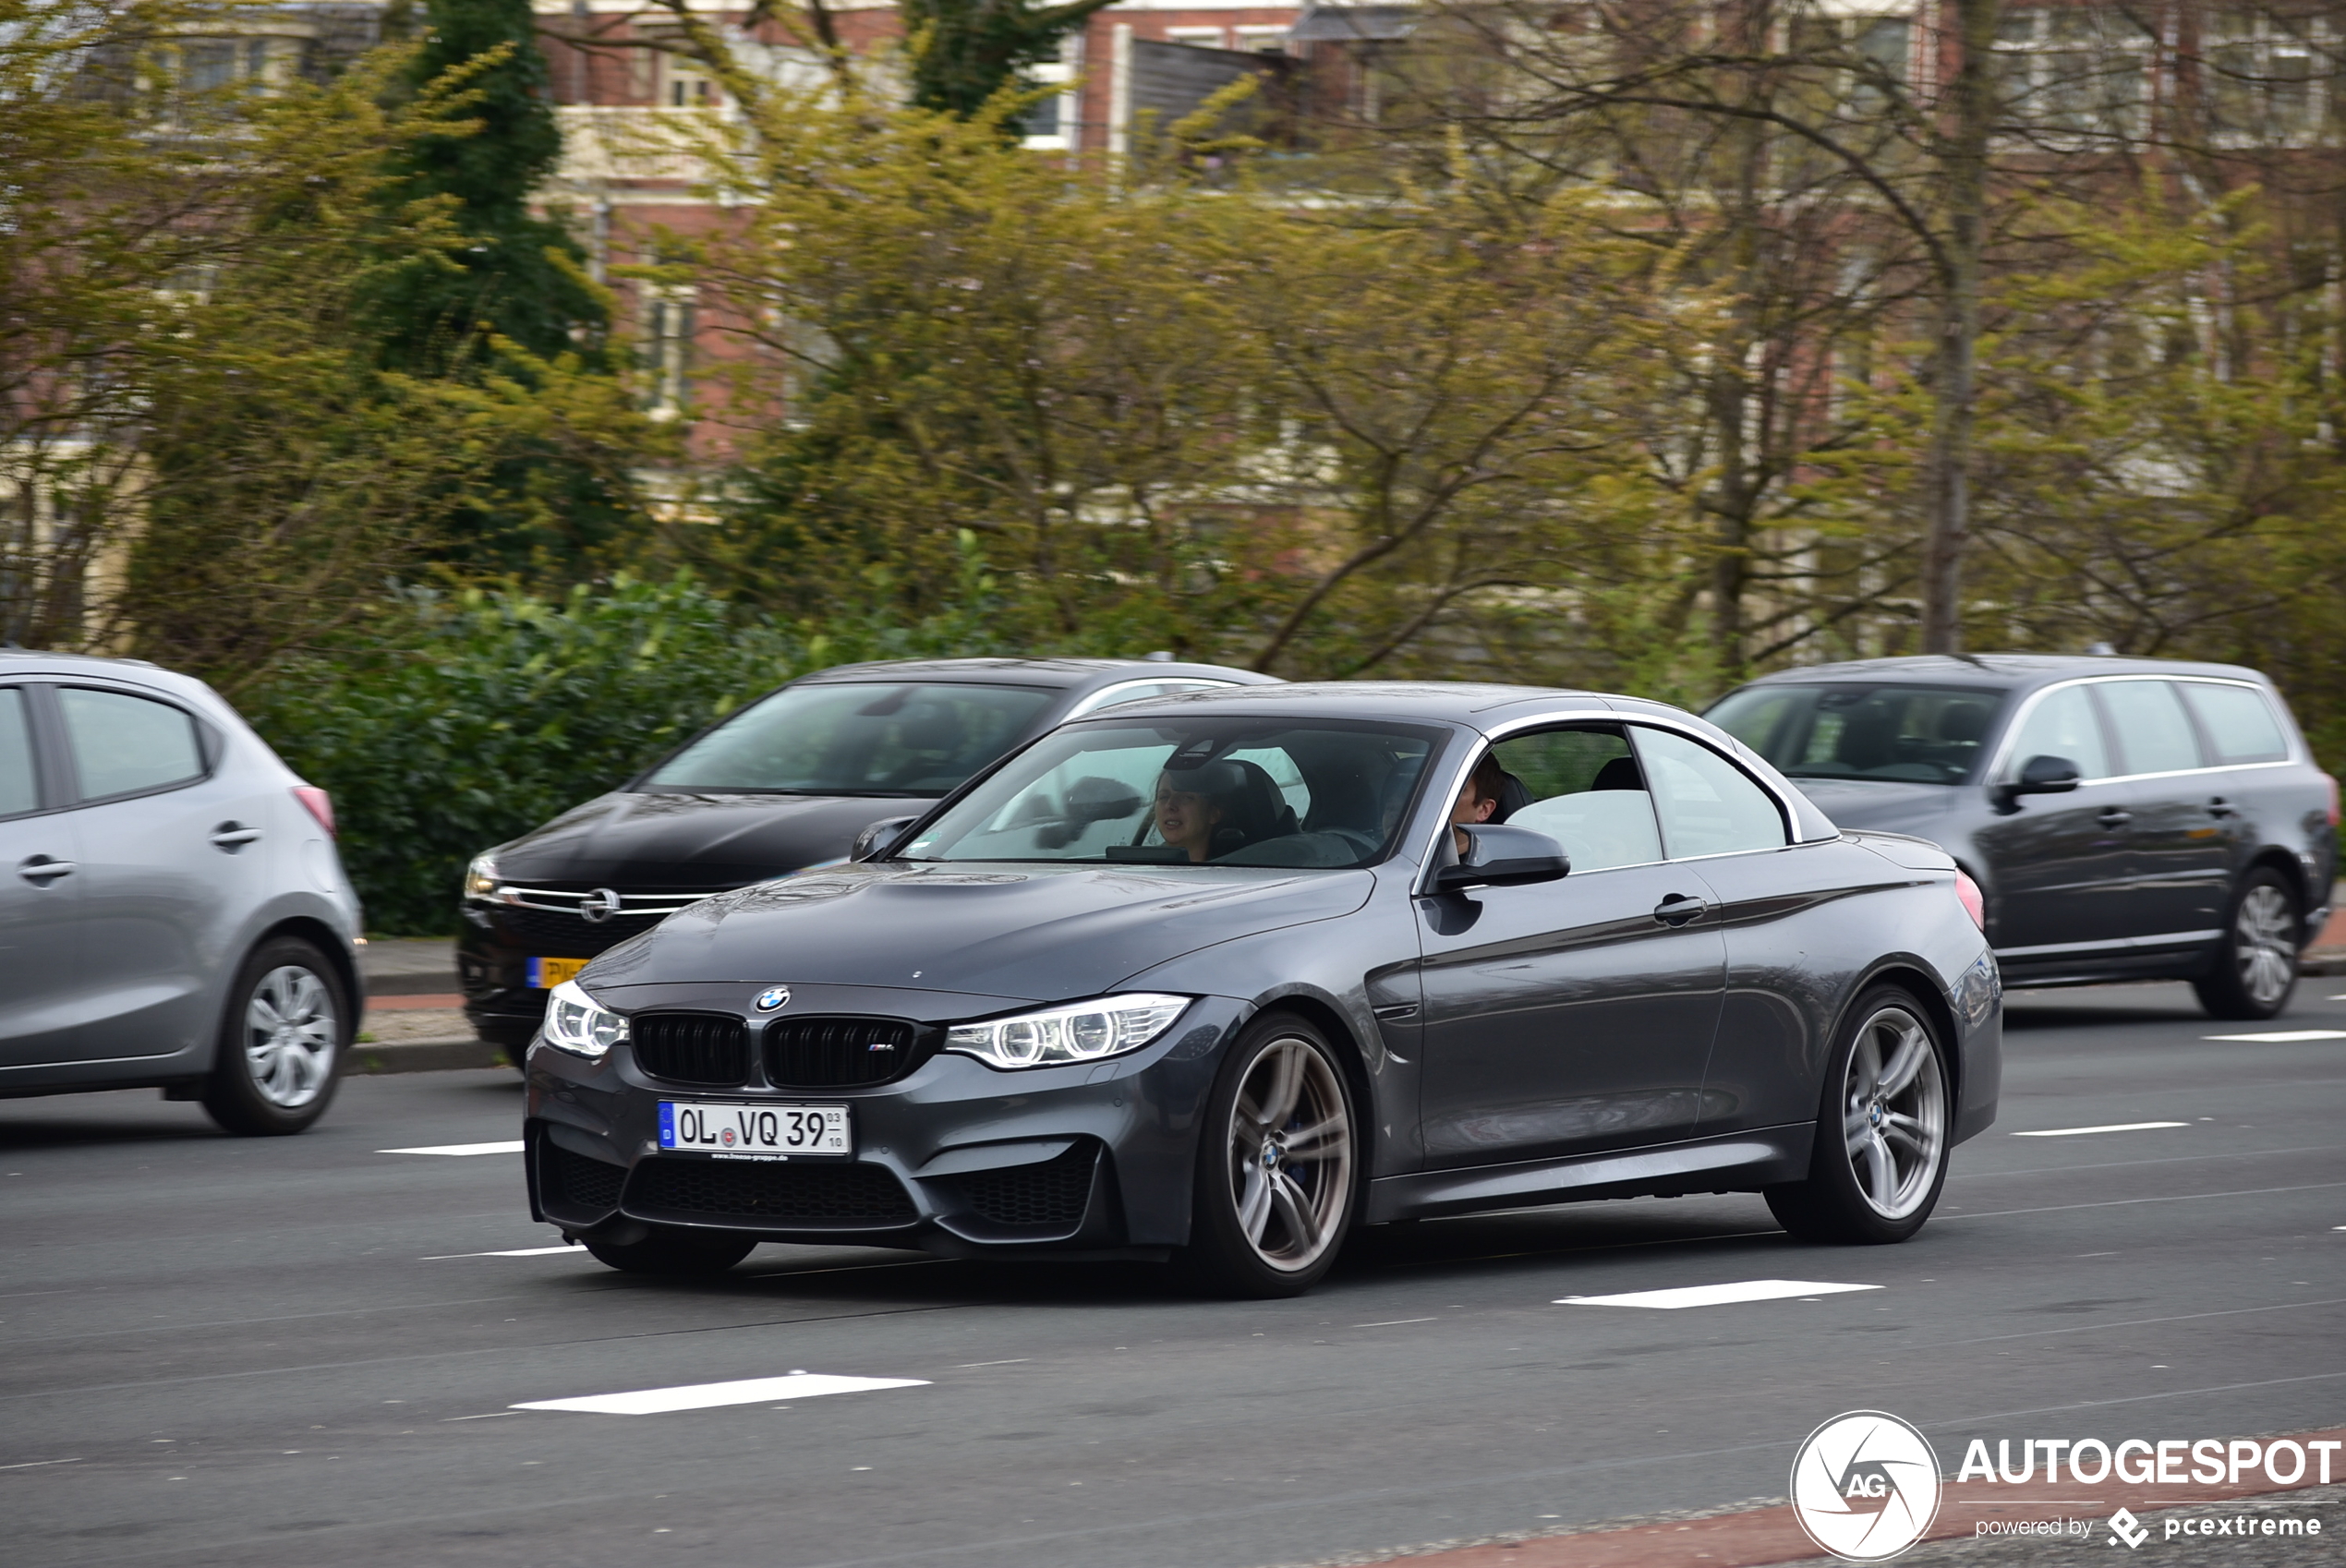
(577, 1181)
(837, 1053)
(554, 934)
(763, 1192)
(691, 1047)
(1053, 1193)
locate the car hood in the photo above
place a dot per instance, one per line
(684, 842)
(1877, 803)
(1025, 933)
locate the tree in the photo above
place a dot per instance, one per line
(964, 52)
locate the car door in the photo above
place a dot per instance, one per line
(173, 857)
(42, 981)
(2059, 868)
(1569, 1017)
(2179, 850)
(2250, 789)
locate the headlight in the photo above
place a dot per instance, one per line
(480, 878)
(575, 1023)
(1081, 1032)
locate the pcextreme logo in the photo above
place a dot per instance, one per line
(1865, 1486)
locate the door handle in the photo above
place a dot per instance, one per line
(2113, 817)
(40, 870)
(1679, 909)
(2222, 807)
(233, 836)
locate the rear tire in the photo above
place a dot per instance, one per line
(2255, 968)
(1880, 1152)
(281, 1046)
(1278, 1173)
(673, 1252)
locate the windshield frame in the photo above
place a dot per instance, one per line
(1999, 698)
(643, 782)
(1443, 737)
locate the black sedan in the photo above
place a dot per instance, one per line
(2126, 818)
(783, 784)
(1216, 979)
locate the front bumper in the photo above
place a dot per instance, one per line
(957, 1157)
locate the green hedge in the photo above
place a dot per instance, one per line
(461, 719)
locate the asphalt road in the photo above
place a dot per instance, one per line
(305, 1351)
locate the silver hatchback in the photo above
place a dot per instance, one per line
(172, 913)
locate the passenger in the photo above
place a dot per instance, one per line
(1186, 818)
(1480, 797)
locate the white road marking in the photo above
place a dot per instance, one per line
(512, 1148)
(36, 1464)
(511, 1252)
(2081, 1131)
(1393, 1323)
(1019, 1360)
(706, 1396)
(2283, 1036)
(1714, 1295)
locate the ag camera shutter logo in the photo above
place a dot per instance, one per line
(1865, 1486)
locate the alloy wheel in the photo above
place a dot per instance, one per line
(2263, 944)
(1894, 1112)
(1291, 1155)
(290, 1029)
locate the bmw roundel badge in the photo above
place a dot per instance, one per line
(773, 996)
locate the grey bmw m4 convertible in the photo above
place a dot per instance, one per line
(1218, 979)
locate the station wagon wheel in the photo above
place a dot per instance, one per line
(281, 1043)
(1880, 1152)
(2255, 970)
(1276, 1172)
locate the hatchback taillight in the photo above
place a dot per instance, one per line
(2333, 798)
(321, 804)
(1974, 903)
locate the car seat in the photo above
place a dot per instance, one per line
(1621, 773)
(1252, 808)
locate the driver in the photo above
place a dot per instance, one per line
(1186, 818)
(1478, 798)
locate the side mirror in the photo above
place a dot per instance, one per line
(879, 838)
(1500, 856)
(1101, 799)
(2038, 775)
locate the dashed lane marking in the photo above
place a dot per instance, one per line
(37, 1464)
(1714, 1295)
(1393, 1323)
(512, 1148)
(509, 1252)
(707, 1396)
(2082, 1131)
(2282, 1036)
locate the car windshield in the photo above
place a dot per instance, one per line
(858, 738)
(1908, 734)
(1221, 792)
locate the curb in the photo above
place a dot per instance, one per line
(420, 1056)
(2323, 961)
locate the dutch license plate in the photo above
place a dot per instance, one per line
(547, 973)
(769, 1130)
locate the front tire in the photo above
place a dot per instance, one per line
(280, 1045)
(675, 1251)
(1277, 1175)
(1880, 1153)
(2255, 970)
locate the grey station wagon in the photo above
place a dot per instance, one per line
(2126, 819)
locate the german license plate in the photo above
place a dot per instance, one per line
(547, 973)
(771, 1131)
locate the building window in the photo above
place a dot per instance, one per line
(2072, 71)
(2265, 79)
(667, 350)
(690, 86)
(1049, 125)
(1196, 37)
(1262, 39)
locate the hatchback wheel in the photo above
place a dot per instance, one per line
(1880, 1154)
(2257, 970)
(1277, 1175)
(671, 1250)
(280, 1045)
